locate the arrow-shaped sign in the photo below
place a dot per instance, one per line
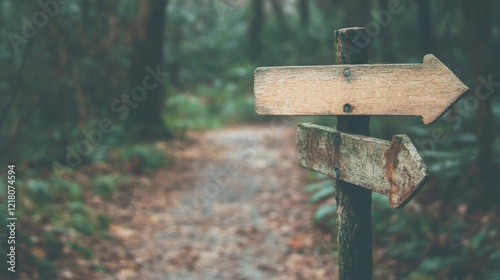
(394, 168)
(425, 90)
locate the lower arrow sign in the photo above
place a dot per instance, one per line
(392, 168)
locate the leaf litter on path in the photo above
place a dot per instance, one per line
(232, 207)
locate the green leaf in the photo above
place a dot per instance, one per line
(325, 212)
(313, 175)
(67, 189)
(478, 239)
(323, 194)
(82, 224)
(314, 187)
(105, 185)
(437, 263)
(39, 191)
(76, 207)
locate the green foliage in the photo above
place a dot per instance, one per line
(53, 216)
(453, 246)
(189, 112)
(39, 191)
(86, 252)
(82, 224)
(212, 88)
(143, 157)
(425, 244)
(46, 269)
(325, 216)
(322, 192)
(210, 106)
(105, 185)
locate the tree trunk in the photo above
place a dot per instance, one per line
(358, 13)
(148, 53)
(278, 12)
(424, 26)
(327, 7)
(304, 12)
(174, 68)
(478, 17)
(255, 28)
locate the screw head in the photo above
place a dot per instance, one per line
(337, 172)
(347, 72)
(347, 108)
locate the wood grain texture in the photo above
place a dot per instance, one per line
(392, 168)
(354, 203)
(425, 90)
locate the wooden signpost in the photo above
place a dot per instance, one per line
(392, 168)
(354, 90)
(425, 90)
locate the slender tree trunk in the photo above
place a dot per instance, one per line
(278, 12)
(327, 7)
(424, 26)
(358, 13)
(174, 67)
(148, 52)
(304, 12)
(255, 28)
(478, 17)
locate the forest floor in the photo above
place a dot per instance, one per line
(232, 206)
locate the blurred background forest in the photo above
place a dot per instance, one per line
(73, 72)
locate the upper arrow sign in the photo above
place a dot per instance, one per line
(425, 90)
(394, 168)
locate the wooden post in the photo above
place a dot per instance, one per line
(353, 92)
(354, 224)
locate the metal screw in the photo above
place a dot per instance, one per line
(337, 172)
(337, 140)
(347, 72)
(347, 108)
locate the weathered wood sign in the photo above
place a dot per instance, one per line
(394, 168)
(353, 91)
(425, 90)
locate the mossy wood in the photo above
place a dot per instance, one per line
(354, 203)
(425, 90)
(392, 168)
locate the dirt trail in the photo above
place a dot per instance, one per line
(232, 207)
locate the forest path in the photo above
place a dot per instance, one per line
(232, 207)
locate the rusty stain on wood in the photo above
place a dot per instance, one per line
(392, 168)
(425, 90)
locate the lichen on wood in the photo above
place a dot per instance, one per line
(354, 222)
(392, 168)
